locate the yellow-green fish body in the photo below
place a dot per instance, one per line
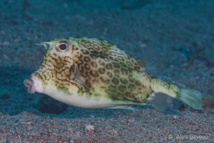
(93, 73)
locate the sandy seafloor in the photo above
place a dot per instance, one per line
(178, 33)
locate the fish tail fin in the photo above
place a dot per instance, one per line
(191, 97)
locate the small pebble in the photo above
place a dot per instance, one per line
(175, 117)
(89, 128)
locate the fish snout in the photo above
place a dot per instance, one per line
(34, 85)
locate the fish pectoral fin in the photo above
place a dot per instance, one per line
(77, 77)
(159, 101)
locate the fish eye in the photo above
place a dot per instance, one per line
(62, 46)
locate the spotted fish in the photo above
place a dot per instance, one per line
(93, 73)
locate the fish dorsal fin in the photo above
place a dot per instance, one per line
(148, 59)
(142, 64)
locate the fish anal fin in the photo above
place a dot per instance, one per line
(159, 101)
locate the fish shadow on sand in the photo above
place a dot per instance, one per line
(51, 107)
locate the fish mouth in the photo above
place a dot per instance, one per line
(29, 84)
(34, 85)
